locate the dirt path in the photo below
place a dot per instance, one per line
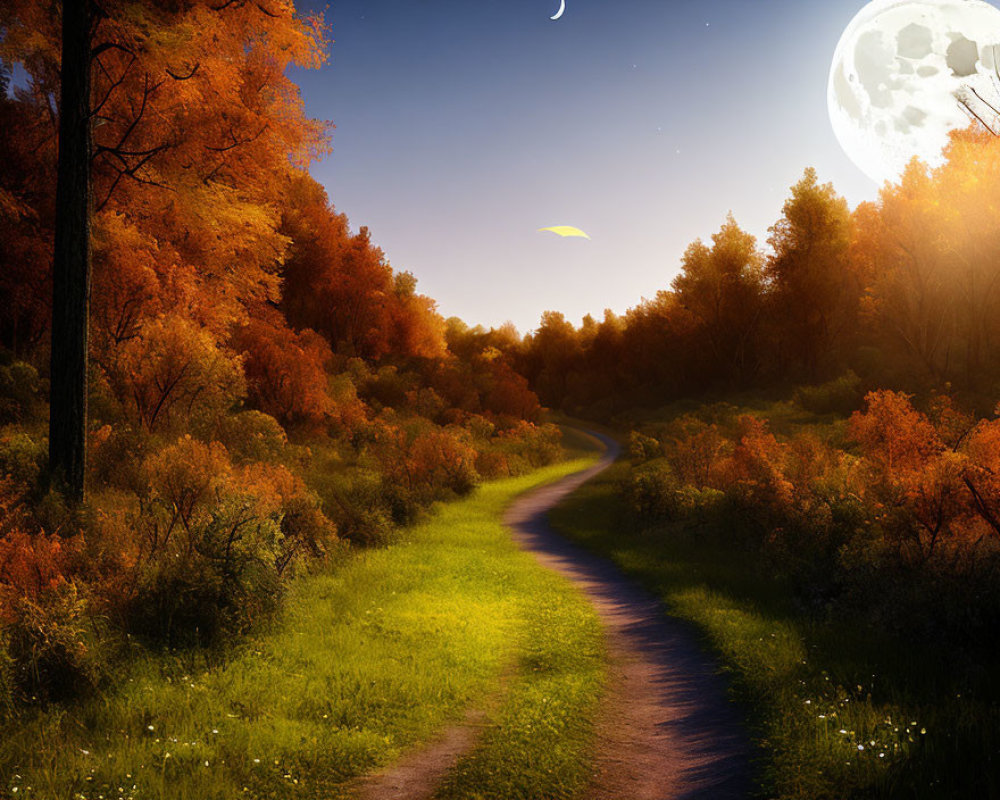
(667, 731)
(418, 774)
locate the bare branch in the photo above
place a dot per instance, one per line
(105, 46)
(187, 77)
(236, 142)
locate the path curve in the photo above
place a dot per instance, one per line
(667, 730)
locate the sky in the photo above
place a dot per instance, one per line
(463, 127)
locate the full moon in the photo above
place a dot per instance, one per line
(897, 76)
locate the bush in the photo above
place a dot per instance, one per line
(174, 375)
(694, 449)
(424, 464)
(21, 458)
(642, 448)
(443, 460)
(41, 620)
(651, 491)
(32, 565)
(536, 445)
(116, 457)
(306, 532)
(19, 386)
(905, 532)
(841, 396)
(46, 654)
(492, 465)
(357, 504)
(252, 436)
(208, 544)
(8, 683)
(285, 369)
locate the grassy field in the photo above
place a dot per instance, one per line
(367, 660)
(835, 711)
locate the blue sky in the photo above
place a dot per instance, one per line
(462, 127)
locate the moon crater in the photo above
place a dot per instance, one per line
(897, 76)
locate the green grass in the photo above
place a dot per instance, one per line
(366, 661)
(815, 693)
(577, 443)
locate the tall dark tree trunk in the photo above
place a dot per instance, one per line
(71, 267)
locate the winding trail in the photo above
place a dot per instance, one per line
(667, 730)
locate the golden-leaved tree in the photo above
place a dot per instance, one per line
(179, 134)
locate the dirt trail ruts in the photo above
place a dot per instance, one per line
(667, 730)
(418, 774)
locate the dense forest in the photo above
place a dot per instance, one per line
(264, 387)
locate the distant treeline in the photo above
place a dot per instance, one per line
(904, 291)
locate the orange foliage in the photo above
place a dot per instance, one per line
(32, 565)
(893, 434)
(174, 366)
(982, 473)
(378, 312)
(285, 371)
(427, 459)
(695, 451)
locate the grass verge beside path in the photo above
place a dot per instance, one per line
(366, 661)
(836, 715)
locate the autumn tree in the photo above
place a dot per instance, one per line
(554, 350)
(966, 189)
(285, 370)
(341, 285)
(197, 128)
(722, 286)
(813, 293)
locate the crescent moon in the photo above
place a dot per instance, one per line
(562, 10)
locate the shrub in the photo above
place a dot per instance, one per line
(252, 436)
(357, 504)
(174, 374)
(651, 491)
(285, 369)
(41, 619)
(840, 396)
(32, 565)
(8, 679)
(893, 434)
(491, 464)
(642, 448)
(19, 386)
(424, 464)
(906, 532)
(388, 388)
(442, 459)
(117, 454)
(46, 654)
(21, 458)
(694, 449)
(208, 544)
(539, 445)
(306, 532)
